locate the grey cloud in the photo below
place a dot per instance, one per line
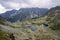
(6, 3)
(17, 1)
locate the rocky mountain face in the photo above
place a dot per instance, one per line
(24, 14)
(7, 14)
(53, 18)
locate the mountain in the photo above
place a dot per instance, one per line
(7, 14)
(23, 14)
(53, 18)
(27, 14)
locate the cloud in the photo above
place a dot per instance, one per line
(15, 4)
(2, 9)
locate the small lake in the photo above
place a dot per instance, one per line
(32, 27)
(44, 25)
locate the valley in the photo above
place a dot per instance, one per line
(44, 27)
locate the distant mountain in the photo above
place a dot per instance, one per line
(53, 18)
(27, 13)
(24, 14)
(7, 14)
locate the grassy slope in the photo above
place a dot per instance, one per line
(39, 34)
(3, 35)
(54, 20)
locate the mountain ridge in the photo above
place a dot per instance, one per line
(24, 13)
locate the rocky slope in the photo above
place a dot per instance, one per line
(54, 18)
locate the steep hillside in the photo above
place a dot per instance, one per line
(53, 18)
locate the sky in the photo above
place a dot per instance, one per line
(17, 4)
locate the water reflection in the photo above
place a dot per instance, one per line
(32, 27)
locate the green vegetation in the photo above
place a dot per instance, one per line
(2, 21)
(3, 35)
(54, 20)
